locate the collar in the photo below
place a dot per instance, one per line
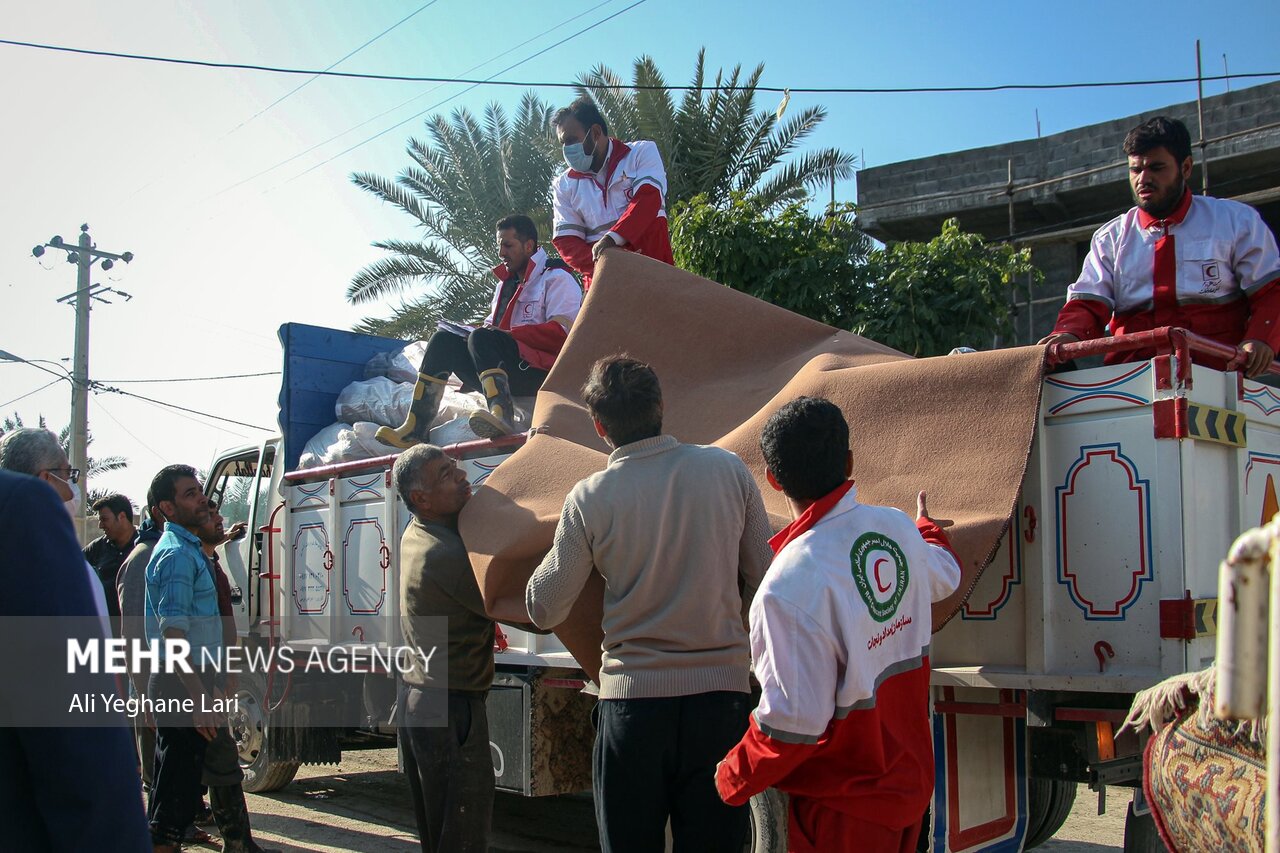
(644, 447)
(183, 533)
(537, 261)
(617, 150)
(126, 547)
(147, 532)
(811, 516)
(1146, 220)
(432, 525)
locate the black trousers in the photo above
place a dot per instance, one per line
(179, 765)
(656, 759)
(483, 349)
(444, 739)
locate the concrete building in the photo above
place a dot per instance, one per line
(1065, 186)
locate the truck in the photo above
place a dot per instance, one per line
(1140, 476)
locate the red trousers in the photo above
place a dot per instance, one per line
(813, 828)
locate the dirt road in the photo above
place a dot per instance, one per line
(363, 805)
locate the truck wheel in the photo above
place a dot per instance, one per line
(768, 822)
(1140, 834)
(1049, 802)
(252, 732)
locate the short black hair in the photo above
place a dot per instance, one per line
(519, 223)
(806, 446)
(116, 503)
(1159, 132)
(624, 395)
(164, 485)
(585, 111)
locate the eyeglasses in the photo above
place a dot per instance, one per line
(72, 474)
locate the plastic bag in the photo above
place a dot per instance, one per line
(397, 365)
(343, 443)
(386, 403)
(379, 401)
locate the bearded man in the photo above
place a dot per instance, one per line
(1205, 264)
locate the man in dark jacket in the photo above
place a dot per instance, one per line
(107, 553)
(60, 788)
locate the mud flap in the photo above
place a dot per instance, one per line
(980, 761)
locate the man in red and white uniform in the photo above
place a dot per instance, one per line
(1206, 264)
(614, 194)
(840, 632)
(534, 303)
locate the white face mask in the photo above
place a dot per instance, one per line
(576, 156)
(72, 504)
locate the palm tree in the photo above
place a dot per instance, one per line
(716, 143)
(471, 173)
(468, 177)
(95, 467)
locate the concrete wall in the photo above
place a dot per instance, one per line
(910, 200)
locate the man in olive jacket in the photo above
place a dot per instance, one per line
(444, 730)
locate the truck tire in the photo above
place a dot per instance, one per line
(1049, 803)
(768, 822)
(252, 732)
(1140, 834)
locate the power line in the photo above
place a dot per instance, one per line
(373, 118)
(459, 94)
(813, 90)
(19, 360)
(145, 446)
(293, 91)
(29, 393)
(191, 378)
(333, 65)
(196, 420)
(109, 389)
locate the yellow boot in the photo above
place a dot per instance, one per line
(499, 419)
(427, 394)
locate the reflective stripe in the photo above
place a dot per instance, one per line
(898, 668)
(1096, 297)
(1264, 280)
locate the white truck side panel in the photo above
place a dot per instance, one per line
(1112, 521)
(341, 569)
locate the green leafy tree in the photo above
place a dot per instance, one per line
(96, 466)
(955, 290)
(470, 172)
(804, 263)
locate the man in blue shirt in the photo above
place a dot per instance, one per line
(182, 604)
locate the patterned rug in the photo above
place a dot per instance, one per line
(1206, 784)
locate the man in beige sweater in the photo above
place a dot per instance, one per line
(680, 534)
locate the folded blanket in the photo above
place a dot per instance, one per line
(959, 427)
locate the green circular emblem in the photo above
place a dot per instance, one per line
(880, 571)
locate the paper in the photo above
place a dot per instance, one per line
(460, 329)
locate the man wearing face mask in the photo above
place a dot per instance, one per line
(1206, 264)
(37, 453)
(613, 195)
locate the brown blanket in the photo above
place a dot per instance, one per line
(958, 427)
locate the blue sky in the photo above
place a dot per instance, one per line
(149, 155)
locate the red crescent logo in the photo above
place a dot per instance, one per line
(876, 570)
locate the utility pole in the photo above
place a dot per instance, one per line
(83, 255)
(1204, 146)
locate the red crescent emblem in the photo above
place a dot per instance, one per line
(876, 570)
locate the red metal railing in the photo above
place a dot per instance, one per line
(1164, 340)
(462, 449)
